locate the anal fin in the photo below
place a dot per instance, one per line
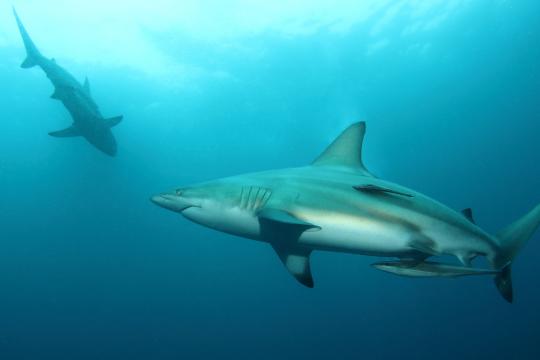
(466, 257)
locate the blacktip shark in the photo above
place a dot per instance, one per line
(336, 204)
(87, 119)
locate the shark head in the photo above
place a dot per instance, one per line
(218, 205)
(179, 200)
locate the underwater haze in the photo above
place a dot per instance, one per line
(91, 269)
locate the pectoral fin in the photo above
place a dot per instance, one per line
(71, 131)
(28, 63)
(283, 217)
(282, 230)
(112, 122)
(296, 260)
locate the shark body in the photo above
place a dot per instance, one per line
(88, 121)
(336, 204)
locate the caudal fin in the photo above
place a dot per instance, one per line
(503, 281)
(32, 53)
(511, 240)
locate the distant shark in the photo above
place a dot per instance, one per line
(87, 119)
(336, 204)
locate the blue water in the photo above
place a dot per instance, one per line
(90, 269)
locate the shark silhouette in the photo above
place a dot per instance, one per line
(76, 97)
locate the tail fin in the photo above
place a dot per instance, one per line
(32, 53)
(511, 240)
(503, 281)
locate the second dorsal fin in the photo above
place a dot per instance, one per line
(346, 150)
(468, 214)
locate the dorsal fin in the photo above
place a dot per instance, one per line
(86, 85)
(346, 150)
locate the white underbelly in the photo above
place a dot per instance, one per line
(233, 221)
(335, 232)
(356, 235)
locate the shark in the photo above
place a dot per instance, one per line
(88, 122)
(414, 268)
(335, 204)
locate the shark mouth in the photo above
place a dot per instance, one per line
(172, 202)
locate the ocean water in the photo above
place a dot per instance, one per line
(91, 269)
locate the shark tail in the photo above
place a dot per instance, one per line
(511, 240)
(33, 55)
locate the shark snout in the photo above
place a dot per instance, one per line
(172, 202)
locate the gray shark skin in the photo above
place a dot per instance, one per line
(88, 121)
(335, 204)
